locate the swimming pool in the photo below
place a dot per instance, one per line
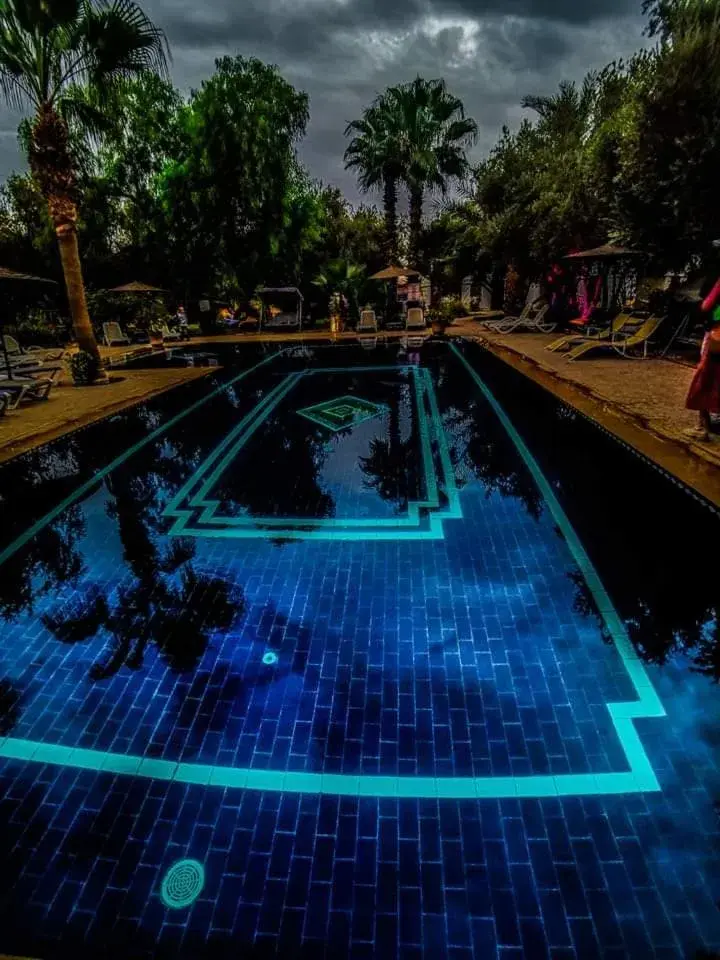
(370, 652)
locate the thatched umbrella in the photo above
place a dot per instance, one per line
(136, 287)
(8, 278)
(393, 273)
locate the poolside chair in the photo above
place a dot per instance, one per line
(367, 322)
(415, 319)
(536, 322)
(25, 388)
(640, 337)
(621, 321)
(5, 399)
(16, 352)
(113, 335)
(496, 322)
(167, 334)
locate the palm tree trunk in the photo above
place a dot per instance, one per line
(52, 169)
(72, 271)
(416, 210)
(390, 206)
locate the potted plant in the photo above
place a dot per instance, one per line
(84, 368)
(440, 318)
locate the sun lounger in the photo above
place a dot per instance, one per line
(16, 352)
(113, 335)
(415, 319)
(367, 322)
(640, 337)
(25, 388)
(168, 334)
(495, 323)
(535, 321)
(621, 321)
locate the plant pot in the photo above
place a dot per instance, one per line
(156, 340)
(438, 328)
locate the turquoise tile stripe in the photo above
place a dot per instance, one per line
(412, 526)
(640, 778)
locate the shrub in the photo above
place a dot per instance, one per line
(84, 368)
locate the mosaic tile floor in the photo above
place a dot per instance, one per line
(351, 745)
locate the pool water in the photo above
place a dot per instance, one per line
(356, 652)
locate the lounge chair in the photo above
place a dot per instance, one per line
(25, 388)
(638, 338)
(495, 323)
(113, 335)
(536, 322)
(16, 352)
(167, 334)
(415, 319)
(367, 322)
(621, 321)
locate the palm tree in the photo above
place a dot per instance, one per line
(343, 278)
(430, 136)
(373, 153)
(63, 58)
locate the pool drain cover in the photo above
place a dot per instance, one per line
(182, 884)
(269, 658)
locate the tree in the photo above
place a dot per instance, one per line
(63, 59)
(430, 135)
(344, 279)
(223, 195)
(373, 153)
(669, 157)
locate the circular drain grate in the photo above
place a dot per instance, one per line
(269, 658)
(182, 884)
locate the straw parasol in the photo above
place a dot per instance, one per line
(606, 251)
(136, 287)
(11, 277)
(393, 273)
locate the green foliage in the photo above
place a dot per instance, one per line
(416, 133)
(84, 368)
(224, 194)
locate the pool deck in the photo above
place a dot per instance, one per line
(640, 402)
(68, 408)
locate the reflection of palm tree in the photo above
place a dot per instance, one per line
(47, 561)
(290, 486)
(166, 603)
(388, 466)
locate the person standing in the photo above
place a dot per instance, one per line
(704, 392)
(180, 321)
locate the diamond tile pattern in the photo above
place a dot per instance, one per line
(342, 412)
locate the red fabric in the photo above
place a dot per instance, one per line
(711, 299)
(704, 392)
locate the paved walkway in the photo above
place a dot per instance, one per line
(640, 401)
(69, 407)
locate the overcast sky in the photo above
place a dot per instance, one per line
(343, 52)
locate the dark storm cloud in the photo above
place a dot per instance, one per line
(344, 52)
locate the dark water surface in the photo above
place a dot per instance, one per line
(332, 624)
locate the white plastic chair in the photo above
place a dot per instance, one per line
(367, 322)
(415, 319)
(113, 335)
